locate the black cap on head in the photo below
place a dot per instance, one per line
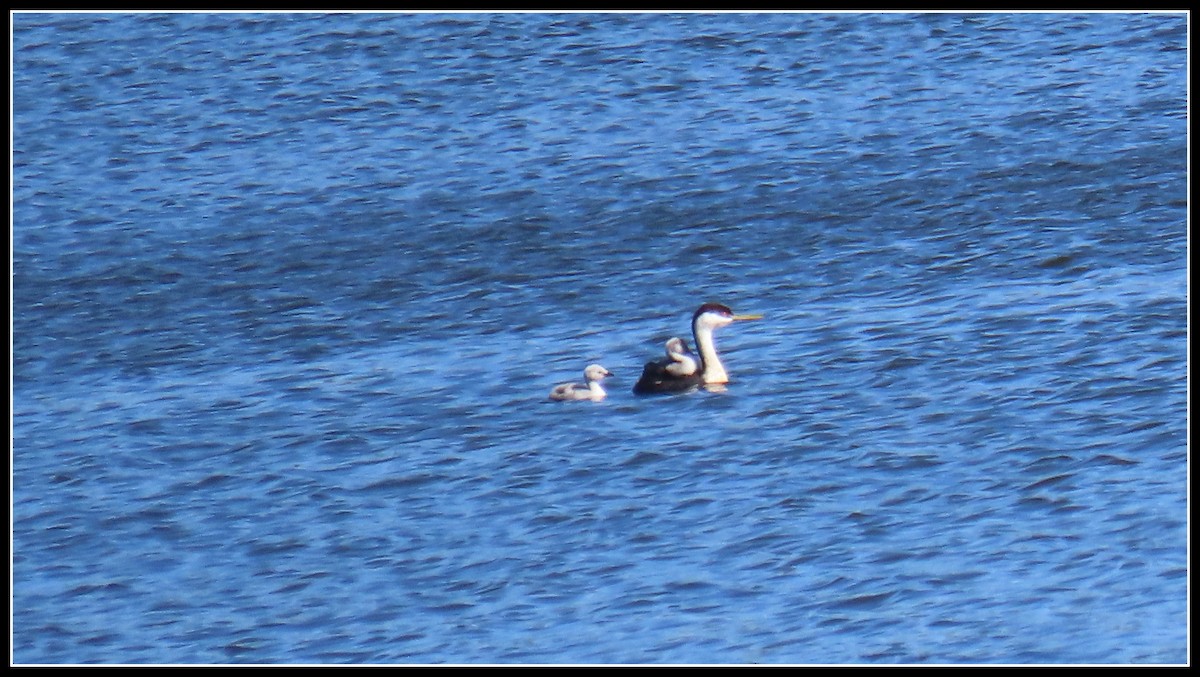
(712, 308)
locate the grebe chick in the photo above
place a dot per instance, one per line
(657, 378)
(590, 390)
(683, 363)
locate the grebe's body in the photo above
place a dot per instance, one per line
(677, 372)
(590, 390)
(666, 376)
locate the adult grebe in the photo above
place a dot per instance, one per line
(657, 378)
(589, 391)
(682, 363)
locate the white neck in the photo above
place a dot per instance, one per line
(597, 391)
(714, 371)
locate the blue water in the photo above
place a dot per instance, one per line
(290, 290)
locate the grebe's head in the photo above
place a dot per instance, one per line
(677, 346)
(595, 372)
(713, 315)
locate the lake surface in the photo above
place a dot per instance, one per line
(290, 291)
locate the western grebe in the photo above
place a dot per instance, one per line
(590, 390)
(683, 363)
(658, 378)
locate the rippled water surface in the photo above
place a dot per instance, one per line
(290, 290)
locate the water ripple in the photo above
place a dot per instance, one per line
(289, 292)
